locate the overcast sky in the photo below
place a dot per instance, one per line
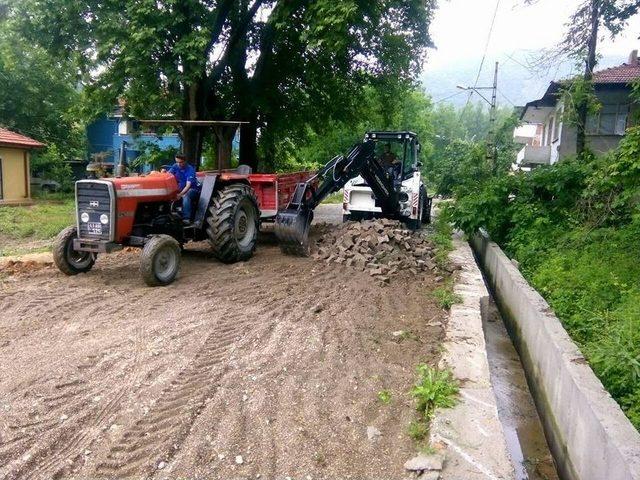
(460, 29)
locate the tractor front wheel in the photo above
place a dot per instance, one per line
(233, 223)
(68, 260)
(160, 260)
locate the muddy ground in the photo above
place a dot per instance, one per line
(265, 369)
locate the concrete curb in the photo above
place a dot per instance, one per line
(589, 436)
(472, 432)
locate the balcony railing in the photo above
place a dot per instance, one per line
(532, 156)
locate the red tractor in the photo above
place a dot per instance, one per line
(140, 211)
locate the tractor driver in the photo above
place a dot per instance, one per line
(188, 186)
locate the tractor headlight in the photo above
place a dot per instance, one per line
(104, 219)
(84, 217)
(403, 197)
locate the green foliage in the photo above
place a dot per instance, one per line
(418, 430)
(459, 155)
(574, 228)
(153, 156)
(446, 297)
(385, 396)
(579, 93)
(50, 164)
(443, 236)
(435, 388)
(283, 66)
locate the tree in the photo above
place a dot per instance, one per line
(279, 65)
(38, 98)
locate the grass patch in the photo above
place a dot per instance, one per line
(435, 388)
(446, 297)
(41, 221)
(442, 237)
(418, 430)
(334, 198)
(384, 396)
(16, 251)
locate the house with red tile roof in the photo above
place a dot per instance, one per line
(15, 169)
(557, 140)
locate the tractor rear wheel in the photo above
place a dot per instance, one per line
(233, 223)
(160, 260)
(68, 260)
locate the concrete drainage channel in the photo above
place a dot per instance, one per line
(589, 436)
(494, 432)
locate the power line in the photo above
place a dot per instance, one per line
(448, 97)
(484, 55)
(506, 98)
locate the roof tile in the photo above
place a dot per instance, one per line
(624, 73)
(7, 137)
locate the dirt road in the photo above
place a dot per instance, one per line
(266, 369)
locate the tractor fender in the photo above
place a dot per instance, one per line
(208, 182)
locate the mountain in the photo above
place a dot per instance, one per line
(517, 84)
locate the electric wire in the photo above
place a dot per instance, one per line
(484, 55)
(448, 97)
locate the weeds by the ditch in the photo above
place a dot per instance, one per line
(446, 297)
(442, 238)
(435, 388)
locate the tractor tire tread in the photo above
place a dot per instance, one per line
(147, 259)
(60, 250)
(220, 220)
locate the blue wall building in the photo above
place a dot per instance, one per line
(108, 133)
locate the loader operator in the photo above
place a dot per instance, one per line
(388, 159)
(188, 186)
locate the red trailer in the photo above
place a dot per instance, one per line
(274, 191)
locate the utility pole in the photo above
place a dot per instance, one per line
(492, 152)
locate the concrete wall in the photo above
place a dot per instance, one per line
(589, 436)
(15, 174)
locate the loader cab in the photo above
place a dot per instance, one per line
(404, 145)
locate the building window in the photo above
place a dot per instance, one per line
(610, 120)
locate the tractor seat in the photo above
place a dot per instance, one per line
(244, 170)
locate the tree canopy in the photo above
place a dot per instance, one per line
(280, 65)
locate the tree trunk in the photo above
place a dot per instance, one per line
(590, 63)
(191, 144)
(224, 141)
(249, 145)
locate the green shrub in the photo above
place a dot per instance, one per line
(435, 389)
(574, 227)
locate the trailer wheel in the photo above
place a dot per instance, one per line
(160, 260)
(68, 260)
(233, 223)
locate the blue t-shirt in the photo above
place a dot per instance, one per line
(184, 175)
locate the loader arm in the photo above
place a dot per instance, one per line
(292, 224)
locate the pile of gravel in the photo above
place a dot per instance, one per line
(382, 247)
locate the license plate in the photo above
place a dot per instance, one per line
(94, 228)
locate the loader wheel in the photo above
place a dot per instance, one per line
(68, 260)
(233, 223)
(160, 260)
(426, 206)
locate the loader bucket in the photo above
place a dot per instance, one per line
(292, 231)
